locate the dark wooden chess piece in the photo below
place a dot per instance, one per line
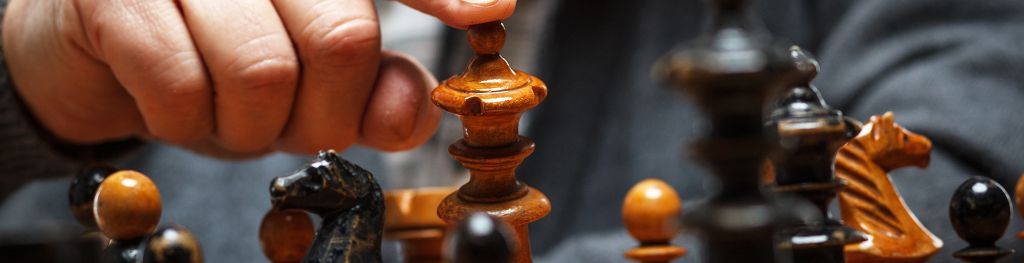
(172, 244)
(126, 209)
(651, 213)
(1018, 198)
(412, 220)
(489, 98)
(870, 202)
(348, 199)
(286, 235)
(730, 71)
(481, 238)
(809, 135)
(83, 191)
(980, 213)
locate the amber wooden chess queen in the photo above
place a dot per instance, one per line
(489, 98)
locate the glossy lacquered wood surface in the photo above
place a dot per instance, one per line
(871, 204)
(650, 212)
(489, 97)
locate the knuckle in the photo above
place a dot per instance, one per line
(262, 63)
(347, 42)
(265, 72)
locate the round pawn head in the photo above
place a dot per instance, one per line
(651, 215)
(83, 191)
(487, 38)
(480, 238)
(127, 206)
(980, 211)
(285, 236)
(172, 244)
(651, 211)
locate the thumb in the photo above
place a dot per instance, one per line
(463, 13)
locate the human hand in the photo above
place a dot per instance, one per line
(225, 77)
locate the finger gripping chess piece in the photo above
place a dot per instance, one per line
(348, 199)
(651, 215)
(980, 213)
(489, 97)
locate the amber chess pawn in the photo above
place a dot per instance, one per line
(411, 219)
(489, 97)
(1018, 198)
(83, 192)
(809, 135)
(127, 208)
(980, 213)
(650, 213)
(171, 244)
(285, 236)
(480, 238)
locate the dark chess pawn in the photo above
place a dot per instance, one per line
(480, 238)
(171, 244)
(980, 213)
(285, 236)
(83, 191)
(348, 199)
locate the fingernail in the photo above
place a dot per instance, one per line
(480, 2)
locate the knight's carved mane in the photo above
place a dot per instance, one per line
(870, 203)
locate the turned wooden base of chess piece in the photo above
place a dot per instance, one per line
(411, 218)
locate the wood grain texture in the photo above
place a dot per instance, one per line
(411, 218)
(871, 204)
(489, 98)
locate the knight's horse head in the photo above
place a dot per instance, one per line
(893, 146)
(323, 186)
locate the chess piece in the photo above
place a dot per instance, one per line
(489, 98)
(83, 191)
(411, 219)
(346, 197)
(172, 244)
(980, 213)
(285, 236)
(651, 215)
(809, 135)
(481, 238)
(730, 71)
(870, 202)
(127, 208)
(1018, 198)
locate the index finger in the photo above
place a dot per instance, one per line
(464, 13)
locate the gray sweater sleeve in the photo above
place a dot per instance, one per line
(951, 70)
(28, 152)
